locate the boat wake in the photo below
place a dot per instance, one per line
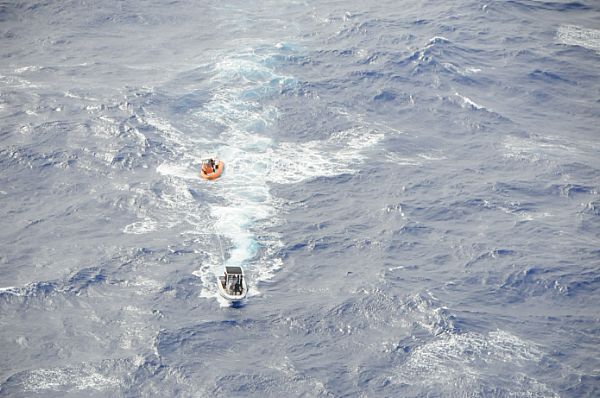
(242, 209)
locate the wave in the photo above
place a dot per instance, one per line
(66, 380)
(36, 289)
(135, 375)
(526, 6)
(444, 57)
(574, 35)
(76, 284)
(467, 102)
(372, 309)
(536, 148)
(495, 363)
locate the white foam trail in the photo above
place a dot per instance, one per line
(578, 36)
(252, 161)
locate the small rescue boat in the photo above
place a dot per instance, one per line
(232, 285)
(211, 168)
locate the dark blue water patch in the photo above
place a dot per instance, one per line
(519, 190)
(475, 203)
(296, 246)
(367, 76)
(384, 96)
(37, 290)
(532, 281)
(584, 385)
(285, 59)
(548, 77)
(571, 190)
(8, 12)
(13, 156)
(432, 56)
(592, 208)
(84, 279)
(583, 284)
(413, 228)
(421, 22)
(493, 256)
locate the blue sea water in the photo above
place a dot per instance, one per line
(411, 187)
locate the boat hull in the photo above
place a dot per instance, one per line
(229, 296)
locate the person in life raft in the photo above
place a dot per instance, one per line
(209, 166)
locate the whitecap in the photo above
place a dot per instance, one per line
(68, 379)
(463, 362)
(415, 160)
(466, 101)
(537, 147)
(574, 35)
(472, 70)
(13, 290)
(141, 227)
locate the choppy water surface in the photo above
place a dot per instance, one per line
(411, 187)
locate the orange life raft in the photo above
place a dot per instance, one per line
(216, 173)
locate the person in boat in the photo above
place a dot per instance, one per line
(209, 166)
(231, 286)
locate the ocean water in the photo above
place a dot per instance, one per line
(411, 187)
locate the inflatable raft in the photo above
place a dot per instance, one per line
(216, 172)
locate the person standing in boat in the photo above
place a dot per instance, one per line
(238, 284)
(231, 286)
